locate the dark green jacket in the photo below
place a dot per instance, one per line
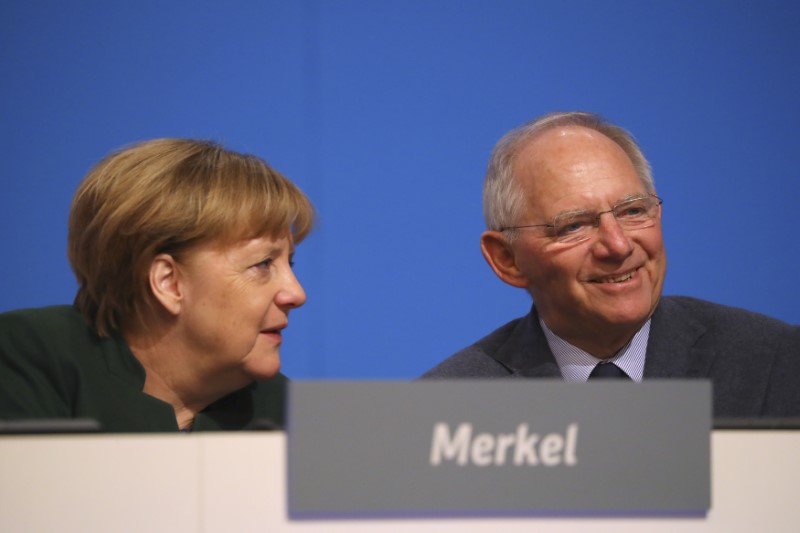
(52, 365)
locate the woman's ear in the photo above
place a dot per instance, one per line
(500, 255)
(165, 283)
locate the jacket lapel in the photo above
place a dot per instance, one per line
(672, 349)
(526, 352)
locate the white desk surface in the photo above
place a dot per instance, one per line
(235, 482)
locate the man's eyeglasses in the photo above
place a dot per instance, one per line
(573, 227)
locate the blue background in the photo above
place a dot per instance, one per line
(385, 113)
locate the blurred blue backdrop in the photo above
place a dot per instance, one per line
(385, 112)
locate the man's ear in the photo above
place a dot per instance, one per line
(500, 256)
(165, 283)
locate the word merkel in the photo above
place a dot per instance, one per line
(519, 448)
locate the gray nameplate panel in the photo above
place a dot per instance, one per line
(498, 447)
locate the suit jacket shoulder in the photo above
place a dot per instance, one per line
(752, 359)
(517, 349)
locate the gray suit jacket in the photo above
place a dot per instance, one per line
(753, 360)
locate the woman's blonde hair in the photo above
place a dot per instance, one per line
(163, 196)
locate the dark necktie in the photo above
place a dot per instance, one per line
(608, 370)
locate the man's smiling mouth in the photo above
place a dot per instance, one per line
(615, 279)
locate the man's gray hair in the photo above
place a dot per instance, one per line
(503, 197)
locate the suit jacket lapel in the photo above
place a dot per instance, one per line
(673, 349)
(526, 352)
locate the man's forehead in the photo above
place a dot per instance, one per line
(572, 167)
(565, 148)
(560, 142)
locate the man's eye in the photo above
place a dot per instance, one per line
(632, 211)
(572, 226)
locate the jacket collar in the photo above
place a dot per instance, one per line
(673, 348)
(526, 352)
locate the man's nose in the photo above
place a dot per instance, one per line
(612, 240)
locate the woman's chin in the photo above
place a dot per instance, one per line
(262, 367)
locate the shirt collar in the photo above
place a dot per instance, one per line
(576, 364)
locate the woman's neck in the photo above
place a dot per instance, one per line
(170, 375)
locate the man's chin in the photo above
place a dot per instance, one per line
(623, 311)
(623, 320)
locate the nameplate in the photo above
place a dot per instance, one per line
(498, 448)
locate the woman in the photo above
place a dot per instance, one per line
(183, 255)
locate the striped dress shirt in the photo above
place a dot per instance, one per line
(576, 364)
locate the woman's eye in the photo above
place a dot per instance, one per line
(266, 263)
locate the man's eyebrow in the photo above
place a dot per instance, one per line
(572, 213)
(632, 196)
(578, 212)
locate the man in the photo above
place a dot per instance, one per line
(573, 218)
